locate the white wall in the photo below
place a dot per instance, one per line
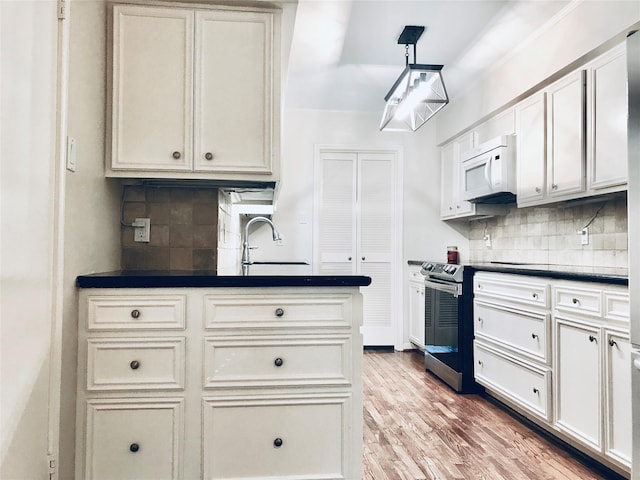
(92, 226)
(28, 82)
(583, 27)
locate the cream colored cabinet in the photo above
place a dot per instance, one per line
(512, 346)
(273, 386)
(558, 352)
(416, 307)
(566, 130)
(607, 138)
(531, 152)
(194, 93)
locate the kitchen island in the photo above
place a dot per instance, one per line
(185, 375)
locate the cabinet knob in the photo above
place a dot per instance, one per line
(279, 312)
(480, 320)
(208, 156)
(363, 258)
(135, 364)
(535, 390)
(534, 336)
(176, 155)
(554, 186)
(535, 296)
(612, 342)
(480, 362)
(592, 338)
(278, 442)
(135, 313)
(134, 447)
(575, 301)
(538, 189)
(278, 362)
(349, 258)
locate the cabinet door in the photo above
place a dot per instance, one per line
(566, 135)
(618, 397)
(447, 177)
(531, 148)
(152, 89)
(233, 92)
(416, 313)
(608, 138)
(577, 372)
(463, 208)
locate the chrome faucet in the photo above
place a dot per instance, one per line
(245, 245)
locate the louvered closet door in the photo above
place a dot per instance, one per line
(355, 231)
(374, 244)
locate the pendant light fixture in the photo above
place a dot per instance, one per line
(418, 94)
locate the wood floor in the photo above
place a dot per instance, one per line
(416, 427)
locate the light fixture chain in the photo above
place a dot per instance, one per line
(406, 54)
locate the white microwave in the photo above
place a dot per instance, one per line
(488, 172)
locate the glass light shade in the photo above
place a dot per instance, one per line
(416, 96)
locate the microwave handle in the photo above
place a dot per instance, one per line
(487, 171)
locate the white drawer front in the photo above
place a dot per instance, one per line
(616, 306)
(285, 438)
(511, 288)
(135, 364)
(582, 301)
(528, 386)
(273, 361)
(132, 312)
(276, 311)
(527, 333)
(134, 440)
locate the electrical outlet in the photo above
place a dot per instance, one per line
(487, 240)
(584, 236)
(142, 229)
(280, 241)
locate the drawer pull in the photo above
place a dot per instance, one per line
(278, 442)
(535, 390)
(135, 313)
(135, 364)
(279, 312)
(176, 155)
(535, 296)
(134, 447)
(534, 336)
(208, 156)
(592, 338)
(612, 342)
(480, 320)
(480, 362)
(278, 362)
(575, 301)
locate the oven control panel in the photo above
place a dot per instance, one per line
(443, 271)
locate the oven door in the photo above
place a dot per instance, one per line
(442, 308)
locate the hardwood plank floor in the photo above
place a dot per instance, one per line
(416, 427)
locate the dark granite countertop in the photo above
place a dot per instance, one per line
(169, 279)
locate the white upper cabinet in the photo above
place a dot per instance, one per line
(566, 132)
(194, 93)
(607, 147)
(531, 150)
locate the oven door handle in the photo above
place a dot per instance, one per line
(454, 289)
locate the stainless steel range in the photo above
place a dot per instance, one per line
(449, 324)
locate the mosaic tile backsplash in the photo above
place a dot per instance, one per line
(184, 228)
(548, 235)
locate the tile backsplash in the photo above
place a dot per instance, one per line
(184, 228)
(548, 235)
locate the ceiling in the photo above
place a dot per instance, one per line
(345, 56)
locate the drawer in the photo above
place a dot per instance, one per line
(526, 385)
(136, 312)
(285, 438)
(525, 333)
(129, 439)
(277, 311)
(512, 288)
(135, 364)
(273, 361)
(583, 301)
(616, 306)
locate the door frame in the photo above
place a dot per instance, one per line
(397, 273)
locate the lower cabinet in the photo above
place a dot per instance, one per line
(219, 383)
(416, 307)
(558, 352)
